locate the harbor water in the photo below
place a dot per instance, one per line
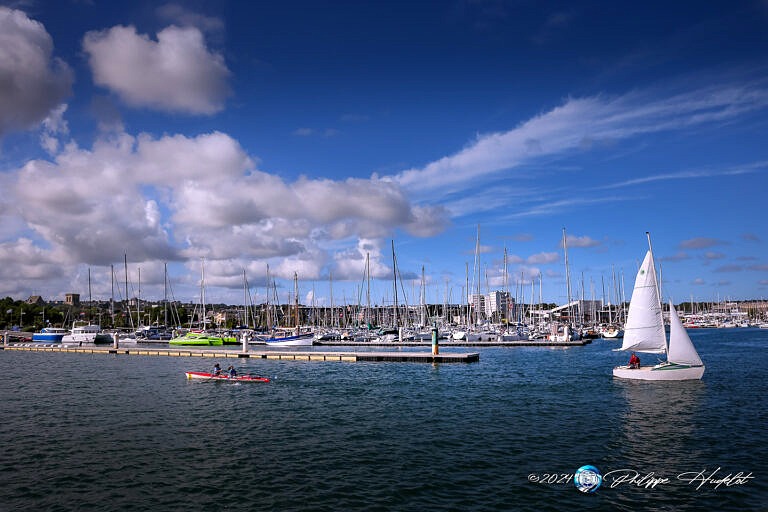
(116, 432)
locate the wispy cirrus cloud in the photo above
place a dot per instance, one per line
(693, 174)
(579, 123)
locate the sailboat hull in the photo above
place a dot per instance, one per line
(664, 371)
(302, 340)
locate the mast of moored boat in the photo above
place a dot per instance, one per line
(127, 300)
(477, 266)
(368, 289)
(266, 298)
(423, 299)
(245, 300)
(567, 277)
(464, 292)
(202, 290)
(296, 300)
(112, 299)
(90, 298)
(330, 284)
(138, 303)
(165, 295)
(394, 285)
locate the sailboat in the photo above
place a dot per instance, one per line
(285, 339)
(86, 333)
(201, 337)
(644, 332)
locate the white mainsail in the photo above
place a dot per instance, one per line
(681, 349)
(644, 330)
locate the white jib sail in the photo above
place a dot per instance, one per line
(644, 330)
(681, 349)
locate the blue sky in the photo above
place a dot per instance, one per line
(307, 136)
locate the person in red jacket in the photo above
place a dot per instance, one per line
(634, 361)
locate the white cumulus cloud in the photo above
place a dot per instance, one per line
(175, 73)
(185, 198)
(32, 81)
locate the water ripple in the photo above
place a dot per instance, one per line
(130, 433)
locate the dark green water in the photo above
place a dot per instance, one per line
(95, 432)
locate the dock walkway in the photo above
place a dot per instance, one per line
(400, 357)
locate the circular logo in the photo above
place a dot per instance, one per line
(587, 479)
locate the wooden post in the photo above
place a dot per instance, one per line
(115, 339)
(245, 342)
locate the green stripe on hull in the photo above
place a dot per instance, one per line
(672, 366)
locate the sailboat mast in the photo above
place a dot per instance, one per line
(90, 298)
(477, 264)
(268, 290)
(368, 289)
(466, 288)
(202, 289)
(245, 299)
(423, 298)
(112, 300)
(394, 283)
(533, 299)
(165, 294)
(296, 299)
(541, 296)
(127, 302)
(653, 261)
(567, 276)
(138, 303)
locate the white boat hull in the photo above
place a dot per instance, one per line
(664, 371)
(293, 341)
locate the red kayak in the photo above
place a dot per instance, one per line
(238, 378)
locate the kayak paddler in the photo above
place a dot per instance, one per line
(216, 370)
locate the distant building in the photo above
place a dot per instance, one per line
(72, 299)
(499, 305)
(586, 310)
(493, 306)
(36, 300)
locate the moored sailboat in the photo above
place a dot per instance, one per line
(644, 332)
(298, 338)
